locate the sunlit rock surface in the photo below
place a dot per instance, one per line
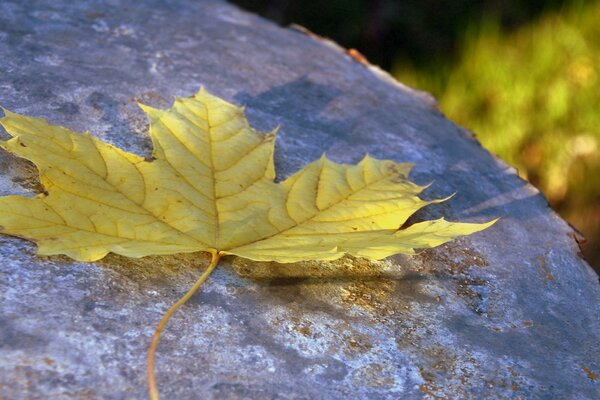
(511, 312)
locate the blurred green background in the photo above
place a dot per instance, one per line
(524, 76)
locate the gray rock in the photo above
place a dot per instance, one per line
(511, 312)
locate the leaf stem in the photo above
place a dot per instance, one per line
(152, 389)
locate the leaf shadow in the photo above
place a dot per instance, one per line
(294, 282)
(162, 269)
(277, 282)
(343, 270)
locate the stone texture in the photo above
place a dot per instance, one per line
(512, 312)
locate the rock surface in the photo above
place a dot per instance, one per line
(511, 312)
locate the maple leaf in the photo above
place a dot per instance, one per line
(209, 187)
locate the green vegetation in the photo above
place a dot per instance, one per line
(532, 96)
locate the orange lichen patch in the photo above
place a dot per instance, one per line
(514, 385)
(345, 338)
(444, 372)
(357, 344)
(371, 296)
(527, 323)
(429, 389)
(590, 373)
(544, 269)
(441, 359)
(438, 365)
(300, 325)
(304, 330)
(375, 375)
(48, 361)
(451, 259)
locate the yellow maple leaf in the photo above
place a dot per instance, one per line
(209, 187)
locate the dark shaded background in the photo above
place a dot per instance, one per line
(423, 32)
